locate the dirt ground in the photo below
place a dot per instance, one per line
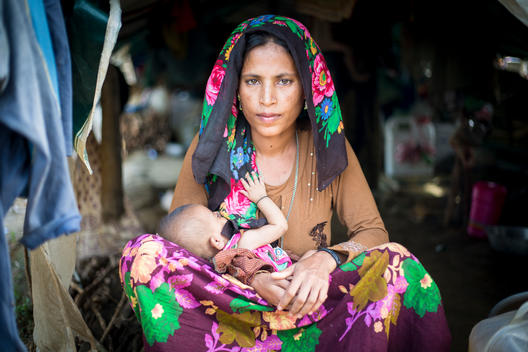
(471, 276)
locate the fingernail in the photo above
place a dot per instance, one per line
(279, 308)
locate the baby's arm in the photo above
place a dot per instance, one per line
(277, 225)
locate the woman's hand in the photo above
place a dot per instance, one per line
(270, 289)
(308, 287)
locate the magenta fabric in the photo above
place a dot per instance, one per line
(384, 300)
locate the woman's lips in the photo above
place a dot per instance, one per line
(267, 117)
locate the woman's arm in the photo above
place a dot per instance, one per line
(355, 205)
(277, 225)
(187, 191)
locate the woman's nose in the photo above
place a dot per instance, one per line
(267, 95)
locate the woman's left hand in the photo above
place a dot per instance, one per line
(309, 283)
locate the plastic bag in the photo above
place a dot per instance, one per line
(507, 332)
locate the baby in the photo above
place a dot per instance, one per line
(205, 233)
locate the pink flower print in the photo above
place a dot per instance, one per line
(214, 82)
(215, 288)
(400, 286)
(157, 280)
(234, 108)
(236, 202)
(322, 84)
(387, 302)
(271, 343)
(254, 161)
(315, 316)
(280, 23)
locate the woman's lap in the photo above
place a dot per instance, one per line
(383, 300)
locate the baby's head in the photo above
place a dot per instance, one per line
(195, 228)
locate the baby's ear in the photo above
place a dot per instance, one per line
(217, 242)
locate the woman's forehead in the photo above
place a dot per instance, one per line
(269, 58)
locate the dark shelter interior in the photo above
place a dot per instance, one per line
(432, 96)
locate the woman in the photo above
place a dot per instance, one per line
(270, 106)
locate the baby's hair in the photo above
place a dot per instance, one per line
(181, 227)
(166, 223)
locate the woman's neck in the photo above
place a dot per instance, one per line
(276, 145)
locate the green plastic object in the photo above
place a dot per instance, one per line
(86, 31)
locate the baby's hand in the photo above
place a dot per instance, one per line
(254, 187)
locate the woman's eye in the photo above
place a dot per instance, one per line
(252, 82)
(285, 81)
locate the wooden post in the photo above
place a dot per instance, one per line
(112, 184)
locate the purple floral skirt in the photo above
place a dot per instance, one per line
(383, 300)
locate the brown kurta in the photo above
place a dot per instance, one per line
(349, 195)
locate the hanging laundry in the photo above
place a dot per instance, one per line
(33, 161)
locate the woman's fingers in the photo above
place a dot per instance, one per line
(301, 299)
(244, 193)
(310, 296)
(317, 297)
(269, 289)
(279, 275)
(291, 292)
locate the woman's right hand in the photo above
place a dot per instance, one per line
(270, 289)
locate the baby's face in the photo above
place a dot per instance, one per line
(213, 240)
(213, 219)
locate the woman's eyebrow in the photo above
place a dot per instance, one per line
(280, 75)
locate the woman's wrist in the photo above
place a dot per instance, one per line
(334, 254)
(328, 260)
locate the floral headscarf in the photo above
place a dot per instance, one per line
(225, 151)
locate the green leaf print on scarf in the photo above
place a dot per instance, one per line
(331, 123)
(372, 285)
(159, 312)
(302, 339)
(129, 291)
(241, 304)
(354, 264)
(422, 294)
(231, 131)
(206, 112)
(292, 26)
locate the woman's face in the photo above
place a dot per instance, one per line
(270, 90)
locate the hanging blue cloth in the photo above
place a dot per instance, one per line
(33, 140)
(41, 28)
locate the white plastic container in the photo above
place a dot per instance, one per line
(409, 146)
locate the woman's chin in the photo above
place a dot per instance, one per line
(271, 130)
